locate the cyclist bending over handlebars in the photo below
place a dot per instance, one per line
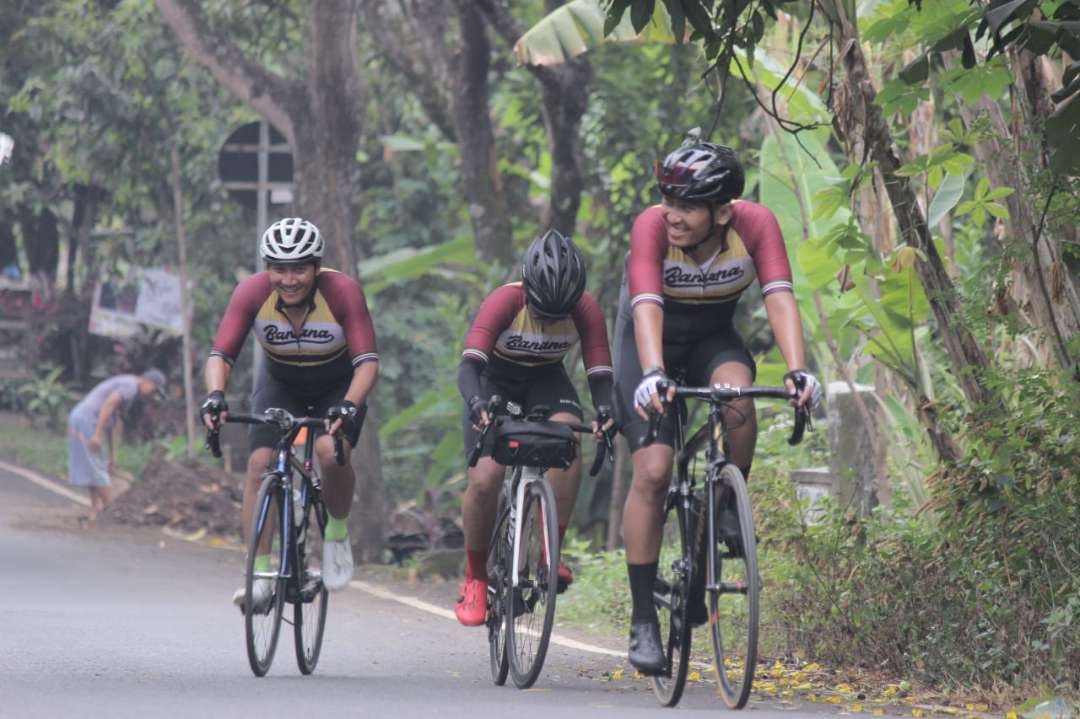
(515, 349)
(691, 257)
(319, 340)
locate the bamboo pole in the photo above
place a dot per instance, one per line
(185, 299)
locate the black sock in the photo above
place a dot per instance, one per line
(642, 579)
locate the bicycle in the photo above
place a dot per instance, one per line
(523, 555)
(284, 513)
(724, 514)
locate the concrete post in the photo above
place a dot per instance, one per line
(857, 470)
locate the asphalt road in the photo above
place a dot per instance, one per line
(114, 622)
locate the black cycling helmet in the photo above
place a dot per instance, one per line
(553, 273)
(701, 172)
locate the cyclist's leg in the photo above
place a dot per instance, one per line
(478, 507)
(643, 511)
(723, 359)
(338, 485)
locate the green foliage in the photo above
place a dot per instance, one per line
(134, 457)
(983, 594)
(45, 397)
(40, 449)
(600, 599)
(983, 202)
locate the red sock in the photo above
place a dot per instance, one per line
(476, 568)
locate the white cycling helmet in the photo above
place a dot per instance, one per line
(292, 239)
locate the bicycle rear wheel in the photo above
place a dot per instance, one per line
(530, 603)
(262, 617)
(670, 594)
(733, 597)
(309, 607)
(498, 569)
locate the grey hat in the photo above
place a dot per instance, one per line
(157, 377)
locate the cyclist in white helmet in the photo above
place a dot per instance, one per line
(314, 325)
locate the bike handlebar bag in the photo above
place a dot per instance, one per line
(534, 444)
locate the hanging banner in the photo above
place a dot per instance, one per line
(145, 297)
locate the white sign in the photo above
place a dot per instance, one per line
(147, 297)
(6, 146)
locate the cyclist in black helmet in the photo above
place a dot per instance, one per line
(691, 258)
(515, 349)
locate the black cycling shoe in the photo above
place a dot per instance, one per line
(646, 650)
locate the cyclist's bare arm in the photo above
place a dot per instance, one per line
(648, 336)
(786, 325)
(216, 375)
(363, 380)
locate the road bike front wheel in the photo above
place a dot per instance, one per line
(734, 595)
(309, 607)
(264, 586)
(498, 569)
(670, 596)
(530, 601)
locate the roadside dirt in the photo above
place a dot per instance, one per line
(188, 496)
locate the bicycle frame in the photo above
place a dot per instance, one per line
(285, 464)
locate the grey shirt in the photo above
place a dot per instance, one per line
(90, 406)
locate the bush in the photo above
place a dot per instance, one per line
(981, 588)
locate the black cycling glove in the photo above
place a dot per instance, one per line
(214, 405)
(351, 416)
(477, 406)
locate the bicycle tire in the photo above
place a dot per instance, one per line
(670, 596)
(309, 609)
(530, 604)
(734, 597)
(262, 625)
(498, 568)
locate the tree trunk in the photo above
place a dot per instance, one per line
(619, 485)
(565, 92)
(1040, 285)
(566, 98)
(451, 84)
(861, 114)
(472, 122)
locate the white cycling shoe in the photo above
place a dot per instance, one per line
(262, 588)
(337, 564)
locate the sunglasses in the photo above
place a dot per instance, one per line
(679, 175)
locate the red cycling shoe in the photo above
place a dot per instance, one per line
(471, 608)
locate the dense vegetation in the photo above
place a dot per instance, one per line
(922, 159)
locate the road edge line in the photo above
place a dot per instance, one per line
(383, 593)
(48, 484)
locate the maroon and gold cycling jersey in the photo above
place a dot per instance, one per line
(337, 334)
(506, 329)
(663, 274)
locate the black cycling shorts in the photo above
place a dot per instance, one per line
(547, 386)
(270, 392)
(695, 360)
